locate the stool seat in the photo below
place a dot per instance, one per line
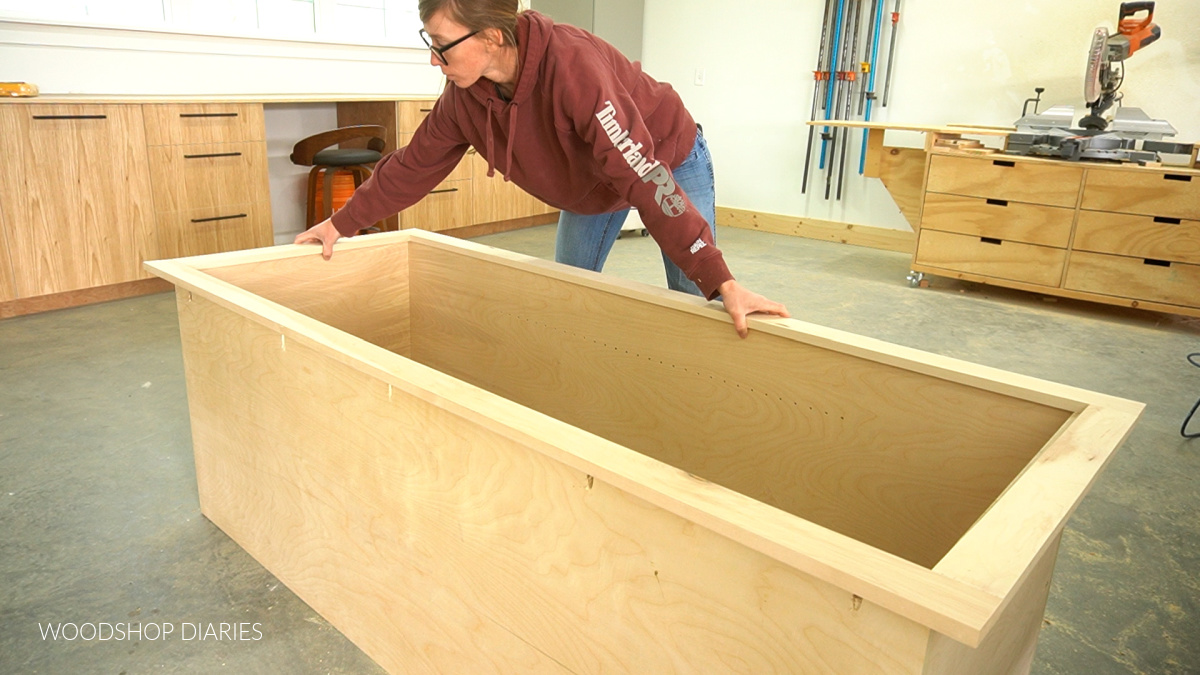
(346, 156)
(318, 151)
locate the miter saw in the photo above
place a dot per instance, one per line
(1130, 135)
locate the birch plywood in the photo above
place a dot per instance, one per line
(1010, 260)
(1174, 194)
(1003, 178)
(1012, 221)
(447, 528)
(80, 215)
(1138, 236)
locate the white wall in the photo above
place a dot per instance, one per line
(956, 62)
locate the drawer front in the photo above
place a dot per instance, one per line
(446, 207)
(1148, 193)
(189, 177)
(1010, 260)
(460, 172)
(1141, 279)
(202, 231)
(1138, 236)
(410, 114)
(998, 178)
(997, 218)
(192, 123)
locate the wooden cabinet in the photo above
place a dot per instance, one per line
(467, 196)
(76, 198)
(1110, 233)
(209, 167)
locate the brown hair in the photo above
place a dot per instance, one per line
(477, 15)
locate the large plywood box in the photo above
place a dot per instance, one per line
(471, 461)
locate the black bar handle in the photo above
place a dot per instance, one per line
(1177, 176)
(209, 220)
(426, 109)
(990, 240)
(215, 154)
(998, 202)
(1168, 221)
(70, 117)
(1003, 162)
(434, 192)
(232, 114)
(1156, 263)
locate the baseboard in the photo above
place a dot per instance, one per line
(825, 230)
(502, 226)
(84, 296)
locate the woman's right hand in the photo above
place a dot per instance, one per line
(323, 233)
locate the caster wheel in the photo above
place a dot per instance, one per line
(645, 232)
(917, 279)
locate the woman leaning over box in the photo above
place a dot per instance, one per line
(565, 116)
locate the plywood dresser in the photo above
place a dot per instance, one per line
(1118, 234)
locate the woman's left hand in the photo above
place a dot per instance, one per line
(740, 301)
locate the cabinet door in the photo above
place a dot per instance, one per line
(7, 290)
(77, 205)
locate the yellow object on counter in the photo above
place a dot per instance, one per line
(18, 89)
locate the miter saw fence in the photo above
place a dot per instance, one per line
(1131, 135)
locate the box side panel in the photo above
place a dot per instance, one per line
(1010, 645)
(437, 545)
(902, 461)
(362, 291)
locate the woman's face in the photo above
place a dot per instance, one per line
(462, 63)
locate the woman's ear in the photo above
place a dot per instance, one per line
(493, 37)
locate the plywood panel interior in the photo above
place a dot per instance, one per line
(898, 460)
(361, 291)
(901, 461)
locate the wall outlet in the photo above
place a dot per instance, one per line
(700, 75)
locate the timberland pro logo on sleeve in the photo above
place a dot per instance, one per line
(650, 171)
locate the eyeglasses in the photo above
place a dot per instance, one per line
(440, 52)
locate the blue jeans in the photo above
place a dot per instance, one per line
(585, 241)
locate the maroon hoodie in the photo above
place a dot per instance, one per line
(586, 131)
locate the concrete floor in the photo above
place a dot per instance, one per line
(101, 524)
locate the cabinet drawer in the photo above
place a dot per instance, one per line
(214, 230)
(188, 177)
(410, 114)
(999, 178)
(191, 123)
(1150, 193)
(446, 207)
(997, 218)
(991, 257)
(1172, 283)
(1138, 236)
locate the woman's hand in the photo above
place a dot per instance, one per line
(323, 233)
(740, 301)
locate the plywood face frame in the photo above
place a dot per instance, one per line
(538, 546)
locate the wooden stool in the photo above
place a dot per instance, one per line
(327, 161)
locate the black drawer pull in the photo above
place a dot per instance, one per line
(1168, 221)
(998, 202)
(426, 109)
(1156, 263)
(70, 117)
(434, 192)
(208, 114)
(990, 240)
(1003, 162)
(215, 154)
(1177, 176)
(209, 220)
